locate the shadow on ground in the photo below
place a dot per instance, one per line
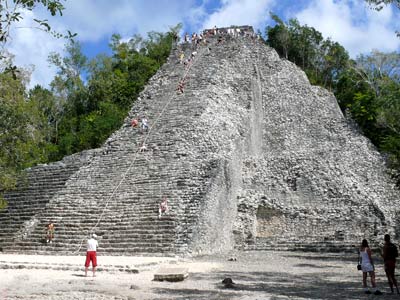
(306, 280)
(281, 285)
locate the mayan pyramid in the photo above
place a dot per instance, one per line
(249, 156)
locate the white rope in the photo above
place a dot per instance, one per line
(137, 151)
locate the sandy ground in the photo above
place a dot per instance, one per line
(257, 275)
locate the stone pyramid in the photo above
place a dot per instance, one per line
(250, 156)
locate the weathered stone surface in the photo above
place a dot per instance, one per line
(250, 156)
(171, 274)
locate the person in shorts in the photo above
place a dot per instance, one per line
(91, 256)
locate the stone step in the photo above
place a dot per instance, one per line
(123, 232)
(308, 245)
(130, 250)
(67, 267)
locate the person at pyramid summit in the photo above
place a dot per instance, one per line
(91, 254)
(163, 208)
(367, 267)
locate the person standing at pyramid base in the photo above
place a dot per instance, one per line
(91, 254)
(389, 255)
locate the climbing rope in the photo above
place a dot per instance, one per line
(194, 60)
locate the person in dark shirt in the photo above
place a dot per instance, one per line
(389, 254)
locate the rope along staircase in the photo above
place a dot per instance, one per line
(128, 222)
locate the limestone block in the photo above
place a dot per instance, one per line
(171, 274)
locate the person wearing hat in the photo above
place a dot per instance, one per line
(92, 245)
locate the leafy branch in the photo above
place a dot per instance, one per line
(11, 14)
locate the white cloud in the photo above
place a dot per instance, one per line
(356, 27)
(240, 12)
(32, 47)
(92, 20)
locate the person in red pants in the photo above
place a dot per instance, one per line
(92, 245)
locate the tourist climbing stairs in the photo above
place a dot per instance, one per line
(117, 193)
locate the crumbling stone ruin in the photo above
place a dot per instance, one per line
(249, 156)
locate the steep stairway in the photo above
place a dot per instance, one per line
(34, 191)
(118, 193)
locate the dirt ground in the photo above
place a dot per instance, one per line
(257, 275)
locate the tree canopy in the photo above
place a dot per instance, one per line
(322, 59)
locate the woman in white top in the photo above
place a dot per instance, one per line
(367, 267)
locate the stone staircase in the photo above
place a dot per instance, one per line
(34, 191)
(249, 156)
(117, 194)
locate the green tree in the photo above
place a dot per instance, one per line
(322, 60)
(71, 96)
(334, 60)
(377, 66)
(388, 119)
(93, 108)
(370, 90)
(22, 142)
(47, 118)
(10, 14)
(279, 37)
(23, 139)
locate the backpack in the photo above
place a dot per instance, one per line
(392, 251)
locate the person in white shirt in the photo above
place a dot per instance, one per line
(145, 125)
(367, 267)
(143, 148)
(92, 245)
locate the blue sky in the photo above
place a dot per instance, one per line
(349, 22)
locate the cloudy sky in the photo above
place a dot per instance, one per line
(350, 22)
